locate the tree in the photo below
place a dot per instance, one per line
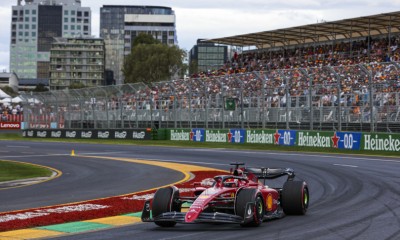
(9, 91)
(76, 85)
(40, 88)
(152, 61)
(193, 67)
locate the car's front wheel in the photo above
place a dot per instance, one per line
(250, 205)
(165, 200)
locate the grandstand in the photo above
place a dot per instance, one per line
(341, 75)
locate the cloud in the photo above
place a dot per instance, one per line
(214, 19)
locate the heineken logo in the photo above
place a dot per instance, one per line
(313, 140)
(259, 137)
(180, 135)
(381, 142)
(216, 136)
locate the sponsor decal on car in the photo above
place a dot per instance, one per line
(269, 202)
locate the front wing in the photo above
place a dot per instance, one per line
(179, 217)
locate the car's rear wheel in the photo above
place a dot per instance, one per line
(295, 197)
(253, 214)
(165, 201)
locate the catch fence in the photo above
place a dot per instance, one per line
(362, 97)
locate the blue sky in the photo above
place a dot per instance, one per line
(211, 19)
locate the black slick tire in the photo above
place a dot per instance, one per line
(244, 197)
(295, 198)
(165, 201)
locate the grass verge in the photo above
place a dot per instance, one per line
(10, 171)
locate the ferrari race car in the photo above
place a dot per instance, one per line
(242, 197)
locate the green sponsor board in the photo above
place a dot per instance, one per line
(218, 136)
(381, 142)
(260, 136)
(314, 139)
(179, 134)
(230, 104)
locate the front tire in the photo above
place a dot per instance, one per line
(295, 198)
(244, 197)
(165, 200)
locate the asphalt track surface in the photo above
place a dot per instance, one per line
(352, 197)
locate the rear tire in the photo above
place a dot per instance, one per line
(165, 201)
(250, 195)
(295, 198)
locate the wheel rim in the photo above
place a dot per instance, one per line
(259, 207)
(305, 198)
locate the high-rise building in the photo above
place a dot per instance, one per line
(208, 56)
(119, 25)
(78, 61)
(34, 25)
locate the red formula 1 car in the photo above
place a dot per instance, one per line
(240, 197)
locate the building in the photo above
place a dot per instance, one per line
(119, 25)
(9, 80)
(208, 56)
(76, 61)
(34, 24)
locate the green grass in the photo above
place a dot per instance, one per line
(15, 171)
(262, 147)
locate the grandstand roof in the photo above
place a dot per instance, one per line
(320, 32)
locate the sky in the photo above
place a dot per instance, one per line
(213, 19)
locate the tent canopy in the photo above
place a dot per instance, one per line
(3, 94)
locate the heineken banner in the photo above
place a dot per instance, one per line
(236, 135)
(220, 136)
(316, 139)
(349, 140)
(197, 135)
(179, 134)
(136, 134)
(285, 137)
(381, 142)
(260, 136)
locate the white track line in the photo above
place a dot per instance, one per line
(345, 165)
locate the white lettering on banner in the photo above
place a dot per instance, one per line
(198, 135)
(262, 137)
(105, 134)
(138, 135)
(121, 135)
(56, 134)
(305, 140)
(381, 144)
(10, 125)
(42, 134)
(87, 134)
(215, 137)
(30, 133)
(179, 136)
(45, 212)
(69, 134)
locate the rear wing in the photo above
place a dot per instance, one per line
(271, 173)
